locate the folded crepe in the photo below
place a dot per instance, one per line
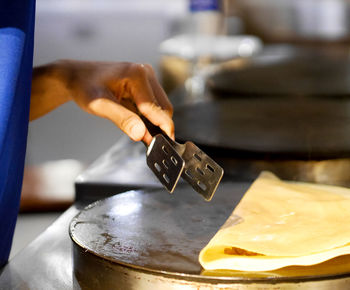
(278, 224)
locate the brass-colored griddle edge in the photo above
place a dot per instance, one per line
(217, 279)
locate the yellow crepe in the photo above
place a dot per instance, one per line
(279, 224)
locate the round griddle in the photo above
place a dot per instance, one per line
(151, 239)
(296, 128)
(286, 72)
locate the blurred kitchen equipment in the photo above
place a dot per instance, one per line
(297, 21)
(149, 240)
(205, 17)
(184, 58)
(285, 70)
(299, 139)
(303, 129)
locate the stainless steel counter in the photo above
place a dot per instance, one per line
(46, 263)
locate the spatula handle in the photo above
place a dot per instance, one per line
(152, 129)
(155, 130)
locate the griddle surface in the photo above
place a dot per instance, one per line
(155, 230)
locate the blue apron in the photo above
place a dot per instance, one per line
(16, 62)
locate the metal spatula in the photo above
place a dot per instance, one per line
(169, 160)
(165, 162)
(201, 171)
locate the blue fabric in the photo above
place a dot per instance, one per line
(204, 5)
(16, 61)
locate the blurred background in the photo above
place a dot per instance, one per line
(291, 50)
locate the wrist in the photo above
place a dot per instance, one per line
(50, 88)
(62, 71)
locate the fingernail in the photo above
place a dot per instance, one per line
(138, 131)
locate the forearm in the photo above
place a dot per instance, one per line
(49, 89)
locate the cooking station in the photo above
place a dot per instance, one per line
(148, 239)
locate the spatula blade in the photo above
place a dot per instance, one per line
(165, 162)
(201, 171)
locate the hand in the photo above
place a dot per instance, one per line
(115, 91)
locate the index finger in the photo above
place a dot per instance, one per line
(147, 103)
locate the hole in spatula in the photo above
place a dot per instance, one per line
(165, 150)
(210, 168)
(173, 159)
(202, 185)
(189, 174)
(197, 157)
(200, 171)
(157, 166)
(165, 163)
(166, 178)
